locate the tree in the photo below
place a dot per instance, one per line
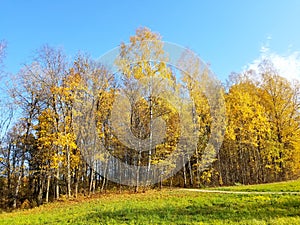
(142, 63)
(281, 100)
(247, 130)
(33, 92)
(261, 143)
(208, 111)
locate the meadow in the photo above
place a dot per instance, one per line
(172, 206)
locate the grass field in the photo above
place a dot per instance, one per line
(171, 207)
(291, 186)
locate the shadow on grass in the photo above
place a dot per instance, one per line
(193, 210)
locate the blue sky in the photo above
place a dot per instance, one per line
(226, 34)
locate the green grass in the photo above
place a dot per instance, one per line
(170, 207)
(290, 186)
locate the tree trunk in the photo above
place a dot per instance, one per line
(19, 181)
(220, 169)
(138, 167)
(91, 180)
(151, 133)
(40, 188)
(8, 169)
(16, 195)
(57, 183)
(196, 150)
(191, 172)
(76, 180)
(184, 173)
(68, 172)
(48, 188)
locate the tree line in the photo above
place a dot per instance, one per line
(57, 122)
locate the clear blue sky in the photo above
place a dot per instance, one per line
(227, 34)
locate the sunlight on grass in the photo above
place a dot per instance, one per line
(289, 186)
(170, 207)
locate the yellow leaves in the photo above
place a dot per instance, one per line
(206, 176)
(143, 56)
(263, 128)
(246, 117)
(56, 159)
(55, 137)
(65, 140)
(280, 99)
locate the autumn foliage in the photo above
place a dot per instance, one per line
(46, 154)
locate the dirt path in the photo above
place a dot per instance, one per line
(241, 192)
